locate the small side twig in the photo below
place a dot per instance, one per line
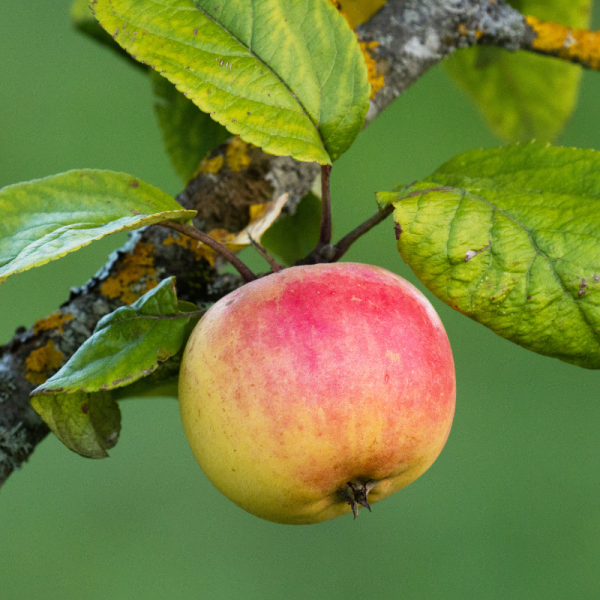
(193, 232)
(275, 266)
(344, 244)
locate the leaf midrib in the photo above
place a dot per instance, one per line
(254, 56)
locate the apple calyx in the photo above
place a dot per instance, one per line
(357, 492)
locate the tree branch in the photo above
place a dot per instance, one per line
(411, 36)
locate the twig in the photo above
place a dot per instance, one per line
(193, 232)
(275, 266)
(344, 244)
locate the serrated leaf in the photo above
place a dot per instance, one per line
(45, 219)
(127, 344)
(288, 77)
(188, 133)
(294, 236)
(88, 424)
(510, 237)
(521, 95)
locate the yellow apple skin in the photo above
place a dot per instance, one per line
(306, 380)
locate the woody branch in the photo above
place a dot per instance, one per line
(403, 40)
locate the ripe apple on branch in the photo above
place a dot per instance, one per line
(320, 386)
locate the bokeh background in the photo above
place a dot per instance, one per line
(511, 509)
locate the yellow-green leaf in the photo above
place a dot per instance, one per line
(288, 77)
(511, 238)
(45, 219)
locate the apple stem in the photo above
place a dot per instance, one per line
(326, 227)
(195, 233)
(332, 253)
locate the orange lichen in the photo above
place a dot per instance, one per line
(197, 248)
(576, 45)
(211, 165)
(376, 78)
(40, 363)
(237, 154)
(462, 29)
(135, 277)
(54, 321)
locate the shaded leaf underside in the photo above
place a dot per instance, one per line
(88, 424)
(188, 133)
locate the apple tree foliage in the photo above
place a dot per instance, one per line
(507, 236)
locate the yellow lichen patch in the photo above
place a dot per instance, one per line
(211, 165)
(135, 277)
(40, 363)
(197, 248)
(237, 154)
(463, 30)
(54, 321)
(570, 43)
(376, 78)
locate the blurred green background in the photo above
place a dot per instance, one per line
(511, 509)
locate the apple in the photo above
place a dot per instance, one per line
(316, 390)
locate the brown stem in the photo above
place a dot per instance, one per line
(326, 228)
(344, 244)
(275, 266)
(193, 232)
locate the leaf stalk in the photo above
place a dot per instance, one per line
(195, 233)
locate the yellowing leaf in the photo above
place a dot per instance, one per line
(287, 77)
(510, 237)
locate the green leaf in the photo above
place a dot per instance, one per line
(45, 219)
(522, 95)
(188, 133)
(286, 76)
(85, 22)
(88, 424)
(510, 237)
(128, 344)
(294, 236)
